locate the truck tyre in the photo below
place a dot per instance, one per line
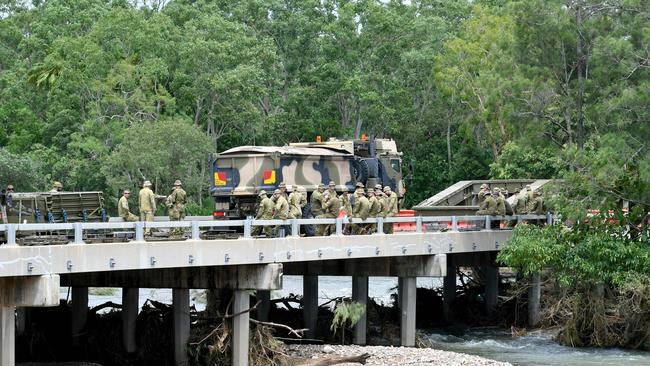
(360, 170)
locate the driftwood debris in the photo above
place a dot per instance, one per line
(331, 360)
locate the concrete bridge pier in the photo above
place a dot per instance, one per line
(310, 304)
(534, 296)
(264, 308)
(491, 287)
(408, 299)
(360, 295)
(181, 320)
(16, 292)
(79, 313)
(449, 288)
(130, 297)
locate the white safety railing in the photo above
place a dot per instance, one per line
(449, 223)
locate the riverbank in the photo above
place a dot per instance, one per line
(393, 356)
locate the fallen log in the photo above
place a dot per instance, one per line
(331, 360)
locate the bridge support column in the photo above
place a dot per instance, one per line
(449, 288)
(264, 308)
(310, 304)
(240, 328)
(408, 288)
(360, 295)
(21, 320)
(181, 303)
(79, 313)
(491, 287)
(129, 315)
(8, 336)
(534, 296)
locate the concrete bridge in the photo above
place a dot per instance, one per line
(31, 276)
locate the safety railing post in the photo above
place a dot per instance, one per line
(11, 234)
(488, 222)
(248, 228)
(339, 226)
(454, 223)
(139, 231)
(196, 233)
(380, 225)
(78, 233)
(418, 224)
(549, 218)
(295, 227)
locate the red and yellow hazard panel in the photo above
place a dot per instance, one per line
(220, 178)
(269, 176)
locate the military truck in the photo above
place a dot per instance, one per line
(240, 173)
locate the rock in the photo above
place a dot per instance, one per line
(328, 349)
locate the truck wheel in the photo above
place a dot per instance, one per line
(360, 170)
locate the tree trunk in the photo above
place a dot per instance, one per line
(580, 132)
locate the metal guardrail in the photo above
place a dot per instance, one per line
(139, 227)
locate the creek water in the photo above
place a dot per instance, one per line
(534, 349)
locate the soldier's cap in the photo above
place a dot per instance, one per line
(262, 193)
(379, 193)
(332, 184)
(387, 189)
(371, 191)
(497, 189)
(528, 186)
(277, 191)
(360, 191)
(345, 190)
(282, 185)
(10, 187)
(57, 185)
(126, 191)
(178, 182)
(321, 185)
(378, 186)
(360, 185)
(146, 183)
(484, 185)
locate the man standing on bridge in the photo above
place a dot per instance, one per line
(331, 207)
(147, 202)
(374, 209)
(316, 200)
(280, 210)
(332, 189)
(295, 202)
(391, 199)
(123, 208)
(264, 212)
(360, 211)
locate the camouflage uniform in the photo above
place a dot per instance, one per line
(147, 201)
(391, 199)
(374, 210)
(295, 204)
(332, 189)
(519, 204)
(489, 205)
(331, 207)
(536, 206)
(481, 193)
(281, 211)
(345, 202)
(56, 187)
(264, 212)
(178, 199)
(317, 201)
(500, 200)
(361, 210)
(123, 208)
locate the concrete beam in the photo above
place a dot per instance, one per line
(30, 291)
(408, 290)
(534, 297)
(79, 313)
(130, 297)
(181, 309)
(240, 328)
(310, 304)
(254, 277)
(491, 287)
(7, 335)
(360, 295)
(407, 266)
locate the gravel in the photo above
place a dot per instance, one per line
(393, 356)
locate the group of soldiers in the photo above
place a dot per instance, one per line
(327, 204)
(175, 203)
(525, 201)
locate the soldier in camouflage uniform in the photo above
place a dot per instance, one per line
(331, 207)
(536, 206)
(283, 189)
(374, 209)
(391, 199)
(147, 201)
(500, 200)
(345, 202)
(519, 203)
(264, 212)
(280, 211)
(317, 200)
(481, 193)
(489, 205)
(295, 202)
(123, 208)
(56, 187)
(176, 204)
(361, 210)
(332, 189)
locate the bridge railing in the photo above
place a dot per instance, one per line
(79, 231)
